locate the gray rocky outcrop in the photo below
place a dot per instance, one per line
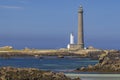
(10, 73)
(109, 62)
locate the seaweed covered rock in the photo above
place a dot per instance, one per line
(10, 73)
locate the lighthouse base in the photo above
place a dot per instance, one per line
(74, 47)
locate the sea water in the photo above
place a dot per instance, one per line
(53, 63)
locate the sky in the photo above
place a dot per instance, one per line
(47, 24)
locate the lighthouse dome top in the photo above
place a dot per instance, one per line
(80, 9)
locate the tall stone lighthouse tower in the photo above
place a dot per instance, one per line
(80, 43)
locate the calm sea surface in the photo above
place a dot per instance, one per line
(53, 63)
(47, 63)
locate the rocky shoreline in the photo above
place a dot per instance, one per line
(23, 54)
(109, 62)
(10, 73)
(9, 51)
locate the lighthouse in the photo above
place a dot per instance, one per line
(80, 42)
(71, 38)
(71, 44)
(80, 28)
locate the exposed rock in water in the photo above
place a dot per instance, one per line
(10, 73)
(60, 56)
(95, 54)
(109, 62)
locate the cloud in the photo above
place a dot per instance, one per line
(10, 7)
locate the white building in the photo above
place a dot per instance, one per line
(71, 38)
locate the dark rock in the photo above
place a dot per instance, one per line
(60, 56)
(90, 68)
